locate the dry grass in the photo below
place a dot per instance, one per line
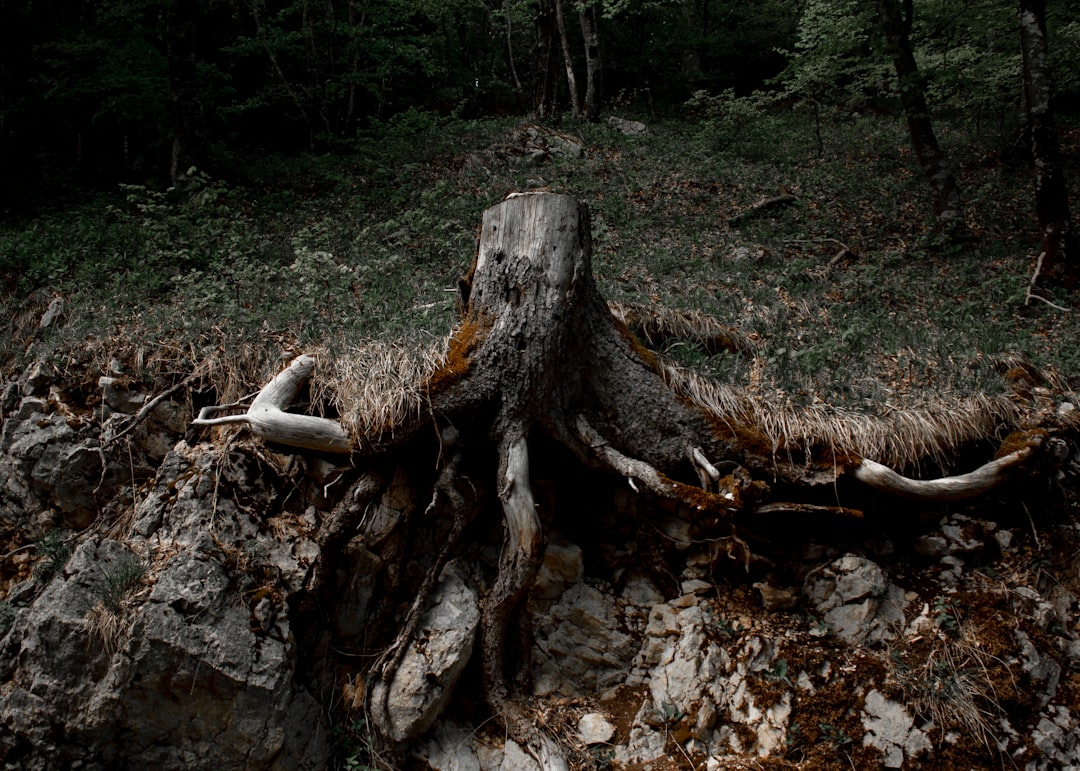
(899, 438)
(377, 386)
(108, 626)
(657, 324)
(952, 687)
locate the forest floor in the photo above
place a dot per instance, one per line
(848, 297)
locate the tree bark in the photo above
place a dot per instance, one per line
(594, 71)
(896, 24)
(1060, 244)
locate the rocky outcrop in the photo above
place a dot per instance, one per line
(223, 613)
(165, 643)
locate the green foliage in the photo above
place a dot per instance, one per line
(832, 59)
(668, 714)
(834, 735)
(356, 746)
(779, 672)
(742, 125)
(55, 552)
(119, 579)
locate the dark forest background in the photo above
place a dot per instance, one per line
(97, 92)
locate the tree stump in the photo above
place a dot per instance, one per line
(538, 357)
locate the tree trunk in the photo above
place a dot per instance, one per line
(896, 24)
(508, 50)
(544, 86)
(1060, 245)
(594, 71)
(188, 117)
(568, 61)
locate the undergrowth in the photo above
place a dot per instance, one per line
(845, 293)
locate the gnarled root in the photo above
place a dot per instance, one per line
(953, 488)
(725, 502)
(519, 563)
(267, 417)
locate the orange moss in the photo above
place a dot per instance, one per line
(647, 357)
(463, 343)
(1019, 440)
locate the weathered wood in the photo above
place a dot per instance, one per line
(953, 488)
(1060, 249)
(267, 418)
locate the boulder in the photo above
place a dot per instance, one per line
(173, 668)
(434, 660)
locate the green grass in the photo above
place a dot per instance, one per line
(120, 578)
(332, 251)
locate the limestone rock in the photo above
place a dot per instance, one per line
(631, 128)
(595, 728)
(182, 662)
(858, 602)
(434, 660)
(183, 655)
(579, 646)
(36, 379)
(451, 748)
(890, 728)
(115, 393)
(46, 463)
(957, 536)
(1057, 736)
(563, 566)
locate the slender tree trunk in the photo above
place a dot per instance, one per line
(508, 50)
(355, 28)
(571, 80)
(1060, 245)
(594, 71)
(896, 24)
(285, 82)
(188, 117)
(544, 101)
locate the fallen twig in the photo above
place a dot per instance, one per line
(147, 408)
(1031, 287)
(762, 205)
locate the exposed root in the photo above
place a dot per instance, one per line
(721, 503)
(953, 488)
(707, 472)
(518, 565)
(266, 416)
